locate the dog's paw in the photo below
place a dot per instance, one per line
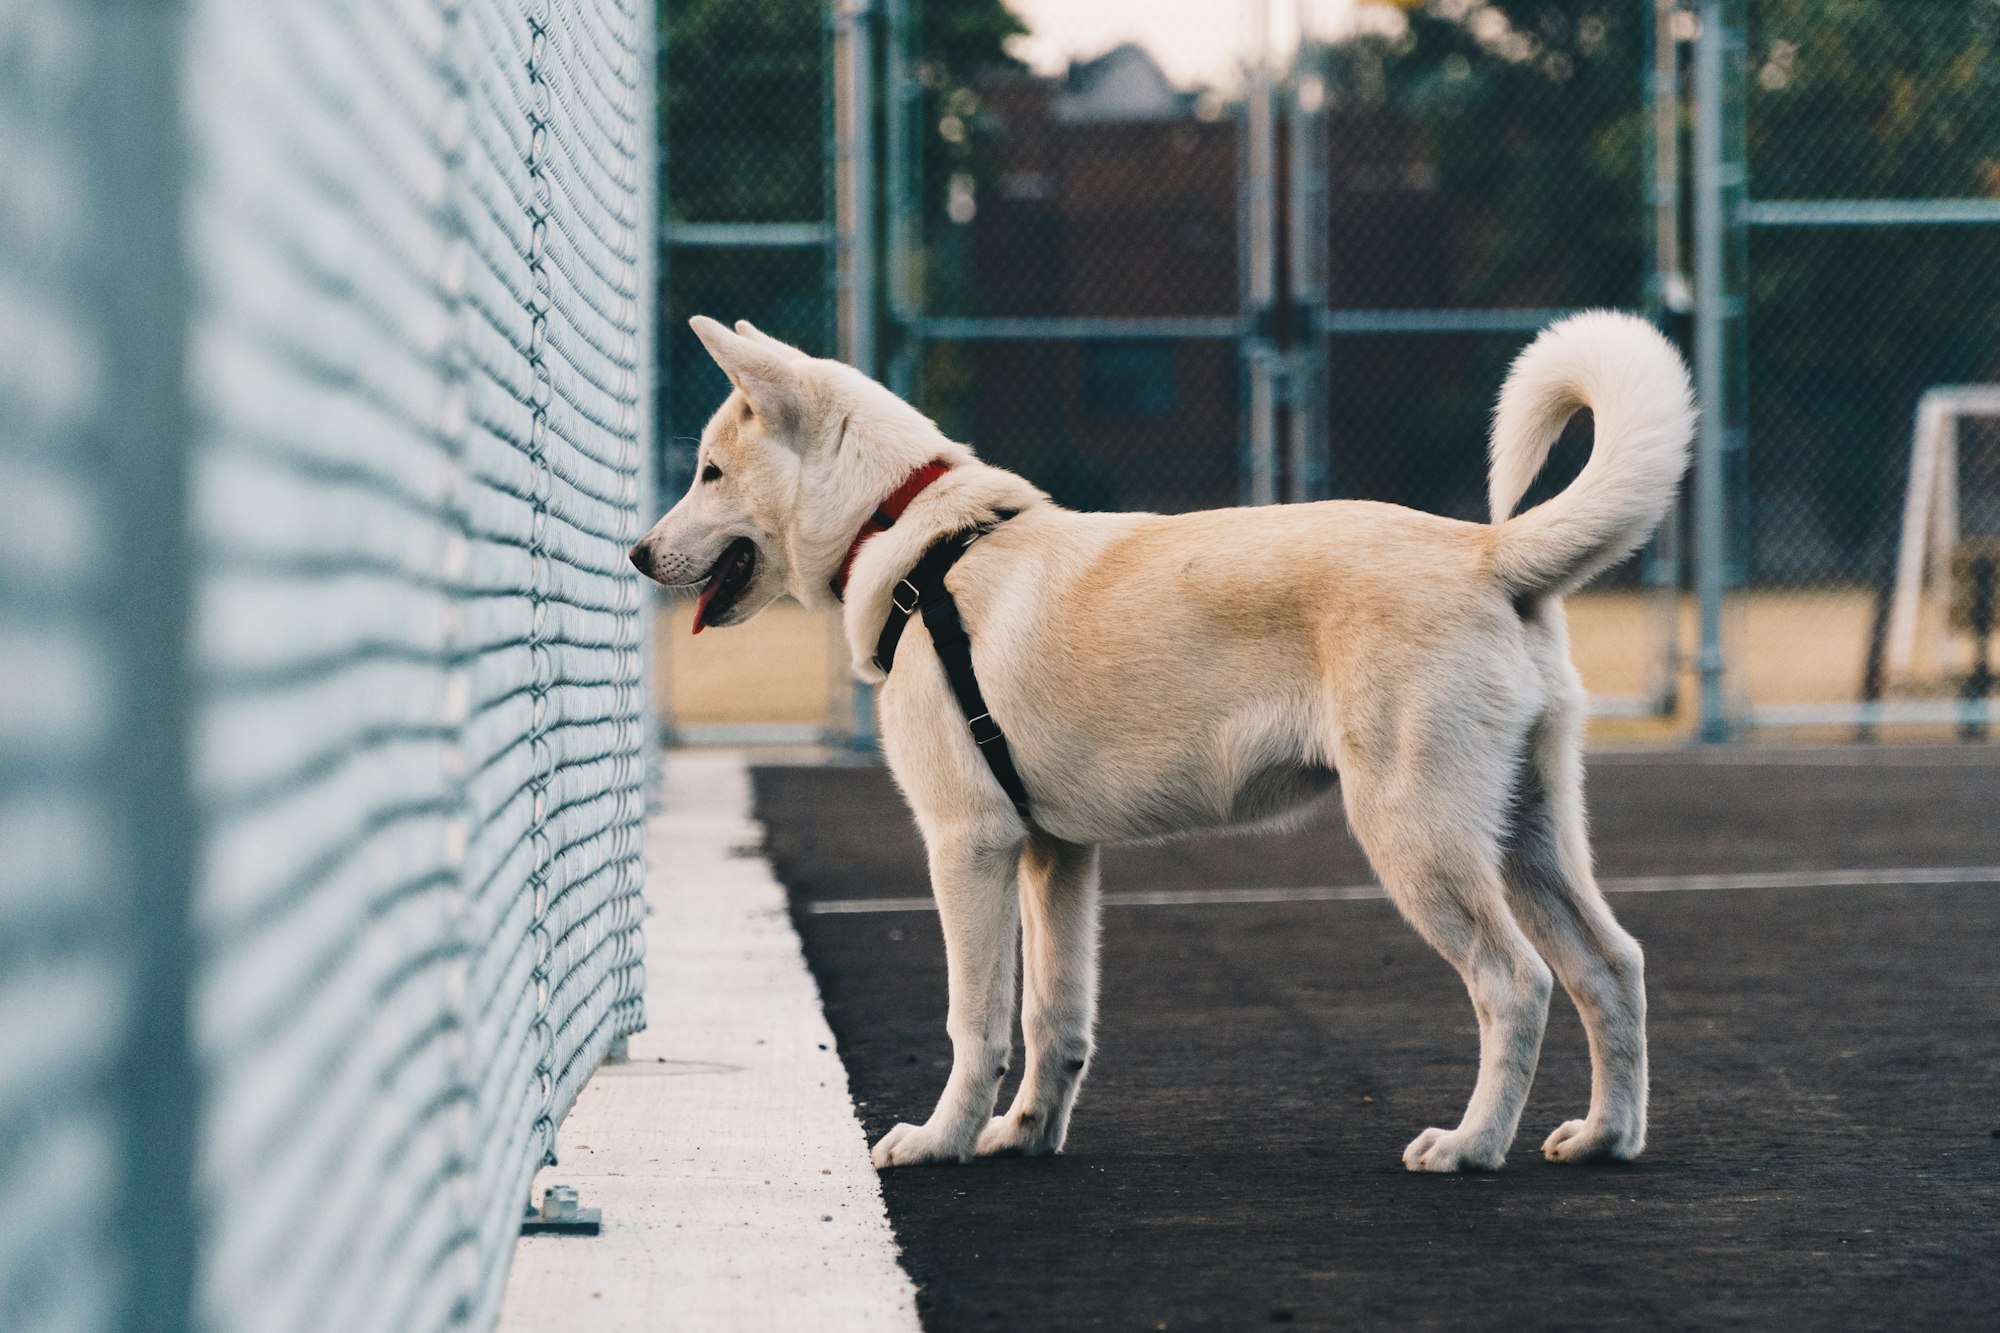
(1586, 1141)
(914, 1145)
(1010, 1135)
(1448, 1150)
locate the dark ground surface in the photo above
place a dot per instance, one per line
(1825, 1144)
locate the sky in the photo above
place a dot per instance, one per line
(1195, 41)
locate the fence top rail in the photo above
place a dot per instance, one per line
(1067, 328)
(1503, 319)
(1871, 212)
(774, 235)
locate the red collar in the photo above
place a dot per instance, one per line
(885, 516)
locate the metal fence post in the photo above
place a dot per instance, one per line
(1671, 301)
(854, 224)
(902, 106)
(1670, 288)
(138, 287)
(854, 181)
(1309, 461)
(658, 360)
(1260, 267)
(1719, 182)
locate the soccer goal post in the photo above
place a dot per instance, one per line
(1916, 642)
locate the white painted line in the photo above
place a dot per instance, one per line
(733, 1176)
(1806, 879)
(1340, 893)
(1961, 755)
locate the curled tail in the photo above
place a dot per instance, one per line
(1636, 387)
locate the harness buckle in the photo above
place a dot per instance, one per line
(984, 735)
(896, 597)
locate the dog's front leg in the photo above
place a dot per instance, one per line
(973, 880)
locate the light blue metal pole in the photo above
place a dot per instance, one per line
(1711, 363)
(1306, 201)
(854, 217)
(1670, 301)
(1258, 246)
(901, 96)
(131, 163)
(854, 179)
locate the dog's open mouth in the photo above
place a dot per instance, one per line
(727, 578)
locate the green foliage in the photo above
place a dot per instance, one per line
(1874, 99)
(1536, 128)
(958, 42)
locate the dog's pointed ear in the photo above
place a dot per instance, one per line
(763, 376)
(758, 336)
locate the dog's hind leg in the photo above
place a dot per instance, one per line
(1555, 898)
(1431, 830)
(1059, 916)
(974, 883)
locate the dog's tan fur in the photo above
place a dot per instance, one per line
(1156, 674)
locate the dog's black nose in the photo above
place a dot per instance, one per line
(642, 559)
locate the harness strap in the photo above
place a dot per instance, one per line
(922, 590)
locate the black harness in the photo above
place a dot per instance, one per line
(923, 590)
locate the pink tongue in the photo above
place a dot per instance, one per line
(708, 594)
(701, 604)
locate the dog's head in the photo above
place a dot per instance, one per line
(731, 538)
(793, 462)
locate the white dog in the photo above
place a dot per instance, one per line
(1154, 674)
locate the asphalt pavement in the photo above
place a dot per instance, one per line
(1825, 1144)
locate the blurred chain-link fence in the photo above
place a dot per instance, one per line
(1871, 279)
(746, 233)
(96, 1093)
(322, 752)
(1302, 271)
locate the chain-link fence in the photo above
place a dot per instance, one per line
(321, 769)
(1303, 272)
(93, 1068)
(747, 233)
(1075, 308)
(1467, 175)
(1302, 277)
(1872, 278)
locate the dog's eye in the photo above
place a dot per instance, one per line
(711, 473)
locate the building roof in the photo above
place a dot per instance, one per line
(1125, 83)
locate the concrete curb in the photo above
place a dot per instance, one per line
(724, 1152)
